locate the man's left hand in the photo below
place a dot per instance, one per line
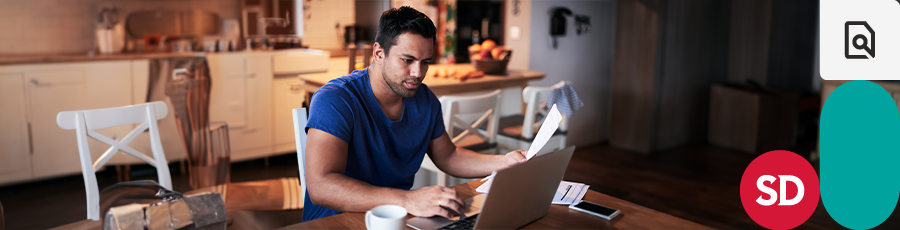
(513, 158)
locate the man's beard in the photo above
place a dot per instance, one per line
(398, 88)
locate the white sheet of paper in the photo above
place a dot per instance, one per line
(551, 123)
(569, 192)
(484, 188)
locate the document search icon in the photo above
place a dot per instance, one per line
(847, 39)
(862, 40)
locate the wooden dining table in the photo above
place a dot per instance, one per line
(440, 86)
(263, 195)
(632, 216)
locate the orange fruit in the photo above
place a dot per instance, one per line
(488, 44)
(475, 48)
(495, 53)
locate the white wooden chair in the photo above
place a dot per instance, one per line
(458, 109)
(518, 131)
(300, 119)
(86, 121)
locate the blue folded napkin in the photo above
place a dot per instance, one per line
(565, 97)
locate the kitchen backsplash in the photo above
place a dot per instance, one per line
(67, 26)
(319, 29)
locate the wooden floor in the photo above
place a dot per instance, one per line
(699, 183)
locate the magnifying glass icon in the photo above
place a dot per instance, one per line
(862, 42)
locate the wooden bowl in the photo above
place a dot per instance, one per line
(493, 66)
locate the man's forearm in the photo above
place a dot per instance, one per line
(341, 193)
(469, 164)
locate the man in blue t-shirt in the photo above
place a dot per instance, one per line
(368, 131)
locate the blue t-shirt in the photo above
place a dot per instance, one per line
(380, 152)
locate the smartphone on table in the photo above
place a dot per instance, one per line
(595, 209)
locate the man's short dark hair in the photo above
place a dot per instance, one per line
(405, 19)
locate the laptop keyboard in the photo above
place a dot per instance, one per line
(467, 223)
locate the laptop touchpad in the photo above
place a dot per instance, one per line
(474, 206)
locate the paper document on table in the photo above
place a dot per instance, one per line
(569, 192)
(484, 188)
(551, 123)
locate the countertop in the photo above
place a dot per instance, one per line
(81, 57)
(51, 58)
(339, 66)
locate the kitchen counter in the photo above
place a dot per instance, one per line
(338, 66)
(71, 57)
(51, 58)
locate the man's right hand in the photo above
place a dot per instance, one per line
(434, 201)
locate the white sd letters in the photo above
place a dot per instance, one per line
(783, 201)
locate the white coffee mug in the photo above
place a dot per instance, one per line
(386, 217)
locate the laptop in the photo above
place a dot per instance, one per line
(519, 195)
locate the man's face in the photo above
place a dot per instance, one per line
(405, 67)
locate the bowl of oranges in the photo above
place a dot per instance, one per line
(489, 57)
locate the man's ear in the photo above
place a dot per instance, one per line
(378, 52)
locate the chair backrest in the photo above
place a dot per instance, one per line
(300, 118)
(84, 123)
(534, 97)
(485, 106)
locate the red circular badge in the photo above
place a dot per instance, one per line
(780, 190)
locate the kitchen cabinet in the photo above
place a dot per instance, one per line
(241, 97)
(287, 94)
(37, 92)
(15, 149)
(54, 88)
(50, 92)
(244, 94)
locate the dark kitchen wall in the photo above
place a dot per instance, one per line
(774, 43)
(793, 45)
(669, 52)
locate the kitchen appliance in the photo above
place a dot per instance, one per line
(351, 35)
(231, 34)
(182, 45)
(152, 42)
(110, 34)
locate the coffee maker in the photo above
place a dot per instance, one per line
(109, 32)
(352, 35)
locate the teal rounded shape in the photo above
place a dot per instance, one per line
(859, 141)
